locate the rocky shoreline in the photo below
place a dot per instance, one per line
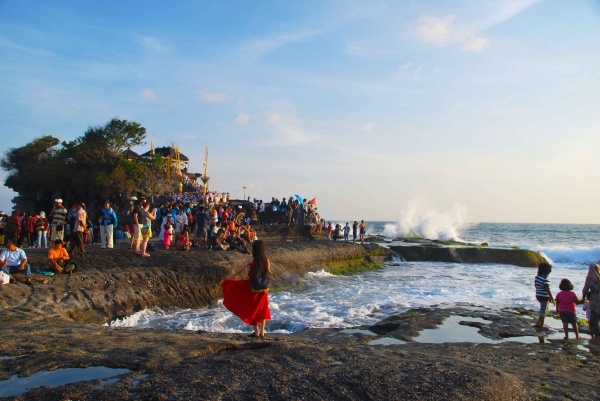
(59, 326)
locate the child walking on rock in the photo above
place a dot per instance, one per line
(543, 293)
(566, 301)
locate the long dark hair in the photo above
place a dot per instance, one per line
(260, 258)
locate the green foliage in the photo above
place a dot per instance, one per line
(91, 167)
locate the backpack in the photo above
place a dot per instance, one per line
(39, 225)
(258, 282)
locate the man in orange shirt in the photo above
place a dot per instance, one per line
(57, 256)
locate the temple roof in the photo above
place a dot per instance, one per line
(168, 151)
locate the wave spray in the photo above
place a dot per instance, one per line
(418, 221)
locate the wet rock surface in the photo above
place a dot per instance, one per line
(58, 326)
(437, 252)
(113, 283)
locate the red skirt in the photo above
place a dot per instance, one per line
(249, 306)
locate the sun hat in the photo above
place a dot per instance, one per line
(133, 198)
(58, 200)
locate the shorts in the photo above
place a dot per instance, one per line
(146, 232)
(568, 317)
(137, 232)
(543, 306)
(201, 232)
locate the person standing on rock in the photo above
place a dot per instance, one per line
(363, 231)
(108, 221)
(543, 293)
(591, 291)
(79, 227)
(354, 231)
(145, 218)
(58, 216)
(347, 233)
(137, 225)
(248, 298)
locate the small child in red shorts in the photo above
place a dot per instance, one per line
(566, 301)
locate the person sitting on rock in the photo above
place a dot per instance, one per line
(57, 257)
(247, 233)
(183, 242)
(221, 241)
(237, 243)
(13, 260)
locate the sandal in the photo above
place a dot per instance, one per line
(254, 335)
(41, 280)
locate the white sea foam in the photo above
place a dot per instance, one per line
(321, 273)
(137, 319)
(342, 301)
(564, 254)
(418, 221)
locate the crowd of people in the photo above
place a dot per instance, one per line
(212, 222)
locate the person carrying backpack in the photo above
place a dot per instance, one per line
(248, 298)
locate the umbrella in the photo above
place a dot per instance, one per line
(313, 201)
(299, 199)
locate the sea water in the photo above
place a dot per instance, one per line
(329, 301)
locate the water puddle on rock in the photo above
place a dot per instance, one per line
(12, 357)
(452, 332)
(18, 385)
(358, 331)
(387, 341)
(139, 378)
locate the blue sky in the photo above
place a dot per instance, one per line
(369, 106)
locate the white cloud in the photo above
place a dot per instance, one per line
(367, 127)
(213, 97)
(151, 43)
(38, 52)
(148, 94)
(242, 119)
(474, 44)
(433, 29)
(443, 31)
(418, 71)
(190, 136)
(273, 118)
(286, 132)
(406, 66)
(266, 45)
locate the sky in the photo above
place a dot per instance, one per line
(489, 107)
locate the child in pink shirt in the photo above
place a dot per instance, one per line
(566, 301)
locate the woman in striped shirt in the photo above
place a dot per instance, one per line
(543, 293)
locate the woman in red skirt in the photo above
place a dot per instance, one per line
(250, 305)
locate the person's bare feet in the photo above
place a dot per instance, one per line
(145, 255)
(41, 280)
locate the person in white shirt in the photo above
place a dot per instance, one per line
(13, 260)
(181, 222)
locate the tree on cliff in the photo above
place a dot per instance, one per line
(91, 167)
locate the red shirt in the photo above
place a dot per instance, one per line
(566, 301)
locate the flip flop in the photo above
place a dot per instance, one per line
(254, 335)
(41, 280)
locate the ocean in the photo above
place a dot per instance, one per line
(343, 301)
